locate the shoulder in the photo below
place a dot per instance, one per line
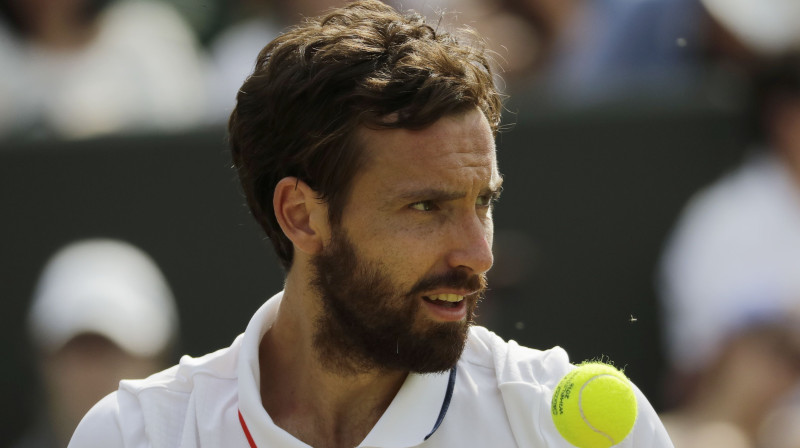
(125, 417)
(511, 362)
(153, 412)
(522, 381)
(510, 385)
(101, 427)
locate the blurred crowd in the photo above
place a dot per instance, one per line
(730, 275)
(81, 68)
(101, 311)
(730, 288)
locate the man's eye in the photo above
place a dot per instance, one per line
(423, 206)
(485, 200)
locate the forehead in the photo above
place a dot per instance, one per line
(457, 150)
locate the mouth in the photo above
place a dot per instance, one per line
(444, 300)
(445, 307)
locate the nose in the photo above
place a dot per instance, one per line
(472, 245)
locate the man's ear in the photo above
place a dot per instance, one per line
(303, 217)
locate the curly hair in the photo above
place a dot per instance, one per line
(363, 64)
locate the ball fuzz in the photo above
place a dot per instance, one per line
(594, 406)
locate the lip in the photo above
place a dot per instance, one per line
(442, 313)
(460, 292)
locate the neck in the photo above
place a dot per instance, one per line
(323, 408)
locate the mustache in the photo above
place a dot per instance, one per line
(456, 278)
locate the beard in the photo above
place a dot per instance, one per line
(368, 324)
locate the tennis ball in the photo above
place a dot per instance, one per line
(594, 406)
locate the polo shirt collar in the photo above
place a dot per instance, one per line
(415, 413)
(412, 417)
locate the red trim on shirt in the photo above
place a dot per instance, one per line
(246, 431)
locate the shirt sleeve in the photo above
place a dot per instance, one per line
(527, 380)
(648, 431)
(100, 427)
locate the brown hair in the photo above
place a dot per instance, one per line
(360, 65)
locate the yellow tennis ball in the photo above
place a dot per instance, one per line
(594, 406)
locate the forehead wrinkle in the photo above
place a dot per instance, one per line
(462, 172)
(478, 164)
(456, 155)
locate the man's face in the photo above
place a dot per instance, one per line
(402, 274)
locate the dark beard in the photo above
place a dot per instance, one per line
(368, 325)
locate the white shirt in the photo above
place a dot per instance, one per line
(498, 396)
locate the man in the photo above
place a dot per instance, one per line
(364, 144)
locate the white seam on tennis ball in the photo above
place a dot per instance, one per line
(580, 407)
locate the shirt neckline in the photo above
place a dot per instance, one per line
(411, 418)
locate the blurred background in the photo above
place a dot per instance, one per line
(651, 212)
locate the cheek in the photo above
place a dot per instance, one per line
(386, 237)
(489, 226)
(407, 253)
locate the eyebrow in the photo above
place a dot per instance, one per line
(496, 188)
(440, 195)
(433, 194)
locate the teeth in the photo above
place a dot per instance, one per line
(447, 297)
